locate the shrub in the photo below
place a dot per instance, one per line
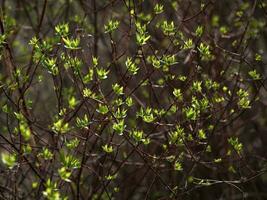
(132, 99)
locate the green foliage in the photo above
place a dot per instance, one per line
(191, 113)
(188, 44)
(103, 109)
(9, 159)
(117, 89)
(243, 101)
(72, 102)
(50, 64)
(135, 99)
(199, 31)
(107, 148)
(62, 29)
(72, 144)
(119, 127)
(60, 126)
(72, 44)
(142, 36)
(158, 8)
(234, 142)
(24, 128)
(120, 113)
(82, 123)
(131, 66)
(202, 134)
(51, 192)
(254, 75)
(178, 94)
(178, 166)
(64, 174)
(258, 57)
(46, 154)
(168, 28)
(2, 40)
(177, 137)
(137, 135)
(102, 73)
(205, 52)
(147, 115)
(68, 161)
(111, 26)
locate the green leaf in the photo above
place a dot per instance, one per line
(111, 26)
(103, 109)
(202, 134)
(60, 126)
(131, 66)
(188, 44)
(72, 102)
(82, 123)
(234, 142)
(254, 75)
(62, 29)
(117, 89)
(119, 127)
(178, 94)
(107, 148)
(64, 174)
(168, 28)
(137, 135)
(72, 144)
(141, 35)
(9, 159)
(199, 31)
(46, 154)
(158, 8)
(178, 166)
(147, 115)
(102, 73)
(72, 44)
(258, 57)
(69, 161)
